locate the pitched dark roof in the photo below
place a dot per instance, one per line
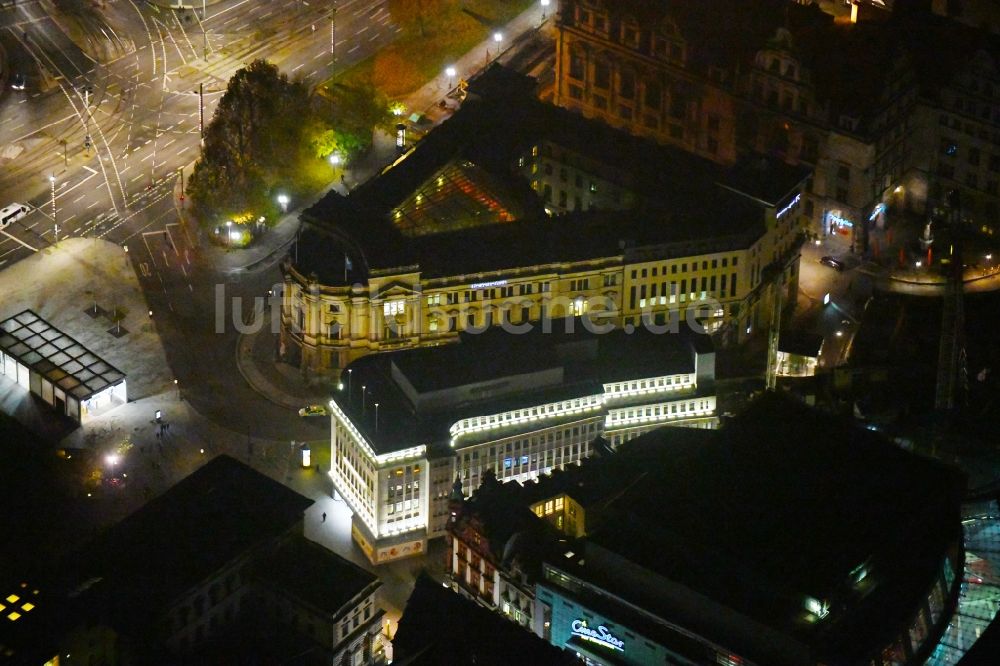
(308, 571)
(439, 626)
(680, 200)
(220, 512)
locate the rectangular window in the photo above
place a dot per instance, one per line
(602, 75)
(654, 95)
(626, 84)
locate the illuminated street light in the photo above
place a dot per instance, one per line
(450, 72)
(497, 37)
(283, 202)
(919, 264)
(55, 222)
(335, 159)
(840, 334)
(229, 232)
(112, 460)
(545, 7)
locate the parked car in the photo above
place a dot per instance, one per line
(17, 82)
(832, 262)
(313, 410)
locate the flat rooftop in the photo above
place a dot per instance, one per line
(781, 504)
(56, 356)
(496, 371)
(459, 189)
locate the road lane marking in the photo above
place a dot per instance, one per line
(15, 238)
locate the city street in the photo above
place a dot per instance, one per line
(97, 140)
(95, 145)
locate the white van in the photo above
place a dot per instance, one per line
(12, 213)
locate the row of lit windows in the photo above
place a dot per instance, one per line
(548, 507)
(706, 264)
(655, 412)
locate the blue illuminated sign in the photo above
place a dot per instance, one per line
(790, 205)
(842, 221)
(601, 635)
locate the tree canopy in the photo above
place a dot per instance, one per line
(269, 132)
(251, 143)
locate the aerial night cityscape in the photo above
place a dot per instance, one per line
(500, 332)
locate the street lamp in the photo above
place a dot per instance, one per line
(376, 418)
(450, 72)
(335, 159)
(545, 6)
(229, 233)
(55, 224)
(498, 37)
(283, 202)
(112, 460)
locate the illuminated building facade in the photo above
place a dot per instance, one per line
(406, 425)
(492, 554)
(871, 108)
(513, 212)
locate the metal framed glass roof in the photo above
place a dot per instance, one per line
(56, 356)
(460, 196)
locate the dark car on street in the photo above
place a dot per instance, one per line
(832, 262)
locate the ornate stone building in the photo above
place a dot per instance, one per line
(859, 104)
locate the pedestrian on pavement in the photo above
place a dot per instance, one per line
(324, 516)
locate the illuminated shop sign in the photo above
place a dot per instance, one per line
(487, 285)
(600, 635)
(878, 209)
(790, 206)
(842, 221)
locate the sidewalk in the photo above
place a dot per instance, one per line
(427, 97)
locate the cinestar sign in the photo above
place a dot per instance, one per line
(600, 635)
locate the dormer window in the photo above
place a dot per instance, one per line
(791, 71)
